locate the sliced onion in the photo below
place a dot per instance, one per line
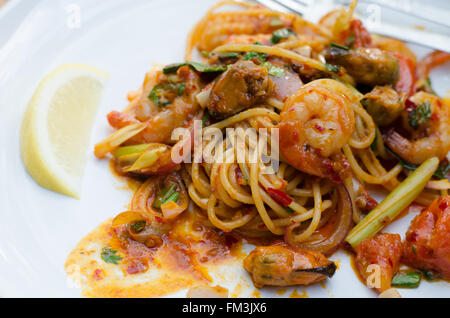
(171, 210)
(203, 97)
(343, 223)
(148, 158)
(127, 218)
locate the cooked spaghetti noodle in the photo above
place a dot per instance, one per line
(265, 71)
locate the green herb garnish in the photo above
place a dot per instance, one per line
(205, 118)
(253, 55)
(335, 45)
(273, 70)
(163, 196)
(289, 210)
(181, 88)
(158, 93)
(174, 197)
(199, 67)
(138, 226)
(281, 34)
(442, 171)
(333, 68)
(406, 280)
(109, 256)
(420, 115)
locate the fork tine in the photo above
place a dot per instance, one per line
(273, 5)
(293, 6)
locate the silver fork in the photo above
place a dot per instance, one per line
(433, 40)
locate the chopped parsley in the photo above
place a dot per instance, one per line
(254, 55)
(420, 115)
(109, 256)
(281, 34)
(160, 94)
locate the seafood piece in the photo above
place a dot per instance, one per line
(427, 242)
(384, 104)
(243, 85)
(385, 251)
(316, 122)
(368, 66)
(428, 121)
(283, 265)
(165, 102)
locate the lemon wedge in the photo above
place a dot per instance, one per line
(57, 125)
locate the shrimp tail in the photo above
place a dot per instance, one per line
(397, 143)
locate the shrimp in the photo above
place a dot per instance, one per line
(428, 128)
(316, 122)
(161, 119)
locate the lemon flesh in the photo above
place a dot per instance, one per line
(57, 125)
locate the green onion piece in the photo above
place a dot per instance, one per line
(163, 196)
(406, 280)
(180, 90)
(199, 67)
(128, 150)
(281, 34)
(174, 197)
(335, 45)
(394, 203)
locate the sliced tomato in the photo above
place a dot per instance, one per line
(280, 196)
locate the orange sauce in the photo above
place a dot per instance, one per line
(295, 294)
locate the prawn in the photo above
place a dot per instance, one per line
(316, 122)
(430, 138)
(160, 120)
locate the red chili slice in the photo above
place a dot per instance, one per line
(280, 196)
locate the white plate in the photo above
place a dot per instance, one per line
(39, 228)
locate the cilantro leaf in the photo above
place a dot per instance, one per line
(281, 34)
(254, 55)
(420, 115)
(109, 256)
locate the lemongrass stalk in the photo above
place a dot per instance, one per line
(147, 159)
(394, 203)
(116, 139)
(128, 150)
